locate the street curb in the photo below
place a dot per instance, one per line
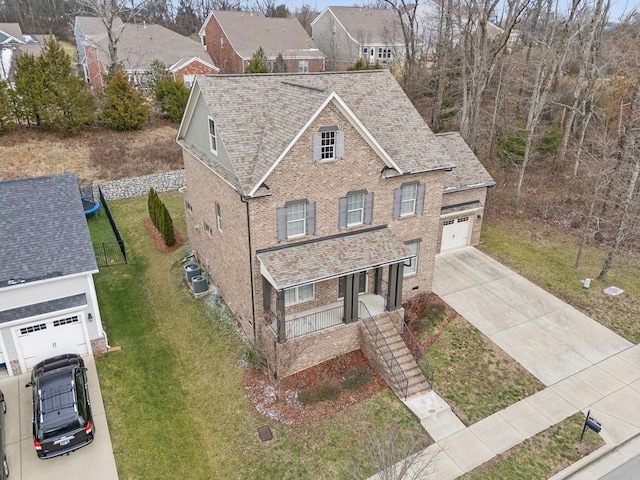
(593, 457)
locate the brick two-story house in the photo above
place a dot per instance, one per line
(231, 38)
(311, 206)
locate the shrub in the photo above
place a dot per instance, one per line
(253, 357)
(435, 311)
(161, 218)
(320, 393)
(356, 377)
(172, 97)
(124, 107)
(167, 230)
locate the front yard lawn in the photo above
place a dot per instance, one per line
(173, 395)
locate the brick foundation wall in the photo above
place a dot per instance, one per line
(15, 367)
(99, 345)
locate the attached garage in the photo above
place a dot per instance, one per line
(456, 233)
(47, 338)
(48, 303)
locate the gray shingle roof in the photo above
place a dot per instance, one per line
(43, 230)
(247, 31)
(469, 173)
(317, 260)
(12, 30)
(370, 25)
(258, 116)
(141, 44)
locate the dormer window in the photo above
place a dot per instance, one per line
(213, 143)
(328, 144)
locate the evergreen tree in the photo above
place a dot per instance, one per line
(5, 106)
(168, 232)
(48, 93)
(124, 107)
(258, 63)
(279, 66)
(156, 72)
(172, 97)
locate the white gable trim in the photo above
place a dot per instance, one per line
(204, 25)
(182, 63)
(351, 117)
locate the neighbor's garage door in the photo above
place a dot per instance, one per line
(51, 337)
(456, 233)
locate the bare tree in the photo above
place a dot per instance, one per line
(394, 456)
(629, 152)
(406, 12)
(110, 12)
(481, 49)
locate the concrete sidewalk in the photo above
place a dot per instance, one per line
(584, 365)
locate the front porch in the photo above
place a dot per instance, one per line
(327, 316)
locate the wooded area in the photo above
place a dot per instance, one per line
(546, 93)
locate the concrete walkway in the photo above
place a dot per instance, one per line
(584, 365)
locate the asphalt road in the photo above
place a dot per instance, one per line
(627, 471)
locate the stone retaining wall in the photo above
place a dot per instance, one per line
(138, 186)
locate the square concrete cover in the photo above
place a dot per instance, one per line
(497, 433)
(551, 405)
(466, 450)
(525, 418)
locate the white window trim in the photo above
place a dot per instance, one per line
(303, 220)
(208, 229)
(414, 261)
(361, 221)
(297, 301)
(413, 200)
(219, 217)
(213, 138)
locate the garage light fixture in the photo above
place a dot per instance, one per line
(89, 317)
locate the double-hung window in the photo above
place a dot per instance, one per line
(328, 144)
(296, 219)
(213, 143)
(189, 79)
(303, 66)
(296, 295)
(412, 266)
(408, 199)
(219, 216)
(356, 208)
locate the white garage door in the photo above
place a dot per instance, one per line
(456, 233)
(51, 337)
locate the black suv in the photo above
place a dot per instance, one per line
(62, 419)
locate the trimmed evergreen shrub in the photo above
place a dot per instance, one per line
(161, 218)
(356, 377)
(167, 230)
(124, 107)
(320, 393)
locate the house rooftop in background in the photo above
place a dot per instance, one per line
(138, 46)
(13, 43)
(231, 38)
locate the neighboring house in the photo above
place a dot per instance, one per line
(138, 46)
(347, 34)
(231, 38)
(48, 303)
(312, 207)
(13, 43)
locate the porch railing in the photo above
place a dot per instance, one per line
(416, 350)
(398, 376)
(314, 322)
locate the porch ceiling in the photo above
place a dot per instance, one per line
(331, 257)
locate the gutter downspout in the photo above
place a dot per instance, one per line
(253, 294)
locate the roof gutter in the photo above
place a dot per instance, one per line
(243, 199)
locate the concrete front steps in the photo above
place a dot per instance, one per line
(417, 384)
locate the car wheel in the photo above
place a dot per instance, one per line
(5, 467)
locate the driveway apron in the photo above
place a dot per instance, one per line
(549, 338)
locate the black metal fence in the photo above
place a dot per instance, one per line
(111, 253)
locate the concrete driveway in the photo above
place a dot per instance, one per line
(551, 339)
(94, 461)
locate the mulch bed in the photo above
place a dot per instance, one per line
(159, 241)
(414, 310)
(260, 389)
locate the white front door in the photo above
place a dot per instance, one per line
(48, 338)
(456, 233)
